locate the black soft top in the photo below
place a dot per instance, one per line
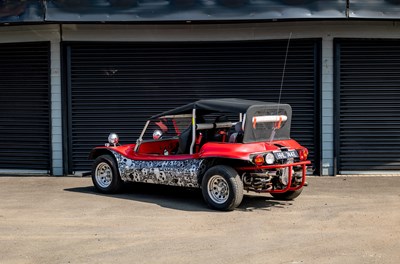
(252, 132)
(225, 105)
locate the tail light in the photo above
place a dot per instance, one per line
(258, 160)
(303, 153)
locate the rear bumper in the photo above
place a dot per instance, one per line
(289, 187)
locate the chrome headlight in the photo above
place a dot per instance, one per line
(113, 139)
(157, 134)
(269, 158)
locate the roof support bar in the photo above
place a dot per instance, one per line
(193, 130)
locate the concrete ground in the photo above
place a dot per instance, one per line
(63, 220)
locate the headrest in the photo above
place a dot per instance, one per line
(238, 127)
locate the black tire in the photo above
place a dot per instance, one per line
(289, 195)
(105, 175)
(222, 188)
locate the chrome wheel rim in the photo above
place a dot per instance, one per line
(218, 189)
(103, 175)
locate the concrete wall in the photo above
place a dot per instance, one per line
(325, 30)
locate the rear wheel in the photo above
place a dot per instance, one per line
(105, 175)
(222, 188)
(289, 195)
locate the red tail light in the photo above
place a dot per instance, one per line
(259, 160)
(303, 153)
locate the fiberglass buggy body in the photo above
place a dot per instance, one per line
(182, 147)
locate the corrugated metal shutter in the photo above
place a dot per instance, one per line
(117, 86)
(25, 106)
(368, 96)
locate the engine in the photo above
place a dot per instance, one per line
(268, 180)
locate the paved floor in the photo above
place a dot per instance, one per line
(63, 220)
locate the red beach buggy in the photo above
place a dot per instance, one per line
(223, 146)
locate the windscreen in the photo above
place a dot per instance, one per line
(262, 121)
(169, 127)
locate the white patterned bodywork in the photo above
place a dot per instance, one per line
(183, 173)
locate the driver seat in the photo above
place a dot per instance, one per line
(237, 137)
(185, 140)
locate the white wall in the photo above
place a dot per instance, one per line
(325, 30)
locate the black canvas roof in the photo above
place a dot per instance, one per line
(225, 105)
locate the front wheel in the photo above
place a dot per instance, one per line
(105, 175)
(222, 188)
(289, 195)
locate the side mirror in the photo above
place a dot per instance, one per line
(157, 134)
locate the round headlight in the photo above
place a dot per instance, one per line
(113, 139)
(270, 158)
(157, 134)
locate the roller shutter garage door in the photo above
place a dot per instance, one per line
(25, 106)
(115, 87)
(368, 106)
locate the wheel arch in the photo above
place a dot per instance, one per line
(97, 152)
(214, 161)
